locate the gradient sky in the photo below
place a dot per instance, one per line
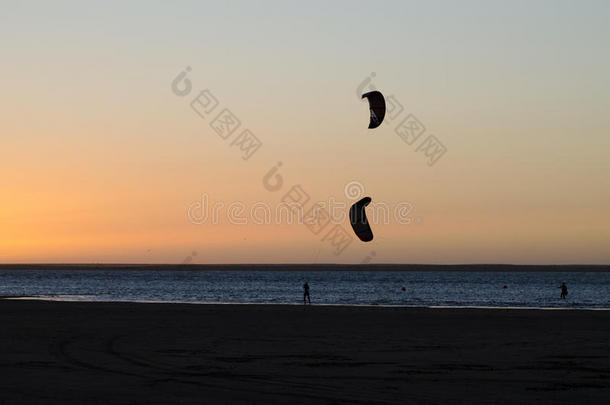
(100, 160)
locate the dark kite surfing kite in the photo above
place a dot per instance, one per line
(377, 108)
(360, 224)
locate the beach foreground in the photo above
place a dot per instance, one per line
(127, 353)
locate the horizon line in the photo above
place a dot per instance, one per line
(310, 266)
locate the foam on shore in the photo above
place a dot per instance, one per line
(87, 298)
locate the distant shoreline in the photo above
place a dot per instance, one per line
(311, 267)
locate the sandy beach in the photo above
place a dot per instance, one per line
(127, 353)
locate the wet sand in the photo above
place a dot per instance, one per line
(127, 353)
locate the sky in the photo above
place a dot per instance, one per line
(104, 158)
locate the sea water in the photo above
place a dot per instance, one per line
(402, 288)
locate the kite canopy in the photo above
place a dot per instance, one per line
(377, 108)
(357, 217)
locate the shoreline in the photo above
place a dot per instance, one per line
(390, 306)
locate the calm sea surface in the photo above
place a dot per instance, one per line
(426, 288)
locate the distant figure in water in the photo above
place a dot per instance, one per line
(306, 293)
(564, 291)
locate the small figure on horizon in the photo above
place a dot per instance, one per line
(564, 291)
(306, 293)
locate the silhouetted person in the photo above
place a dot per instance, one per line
(564, 291)
(306, 293)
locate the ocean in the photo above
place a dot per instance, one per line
(500, 289)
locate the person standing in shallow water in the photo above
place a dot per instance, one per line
(564, 291)
(306, 293)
